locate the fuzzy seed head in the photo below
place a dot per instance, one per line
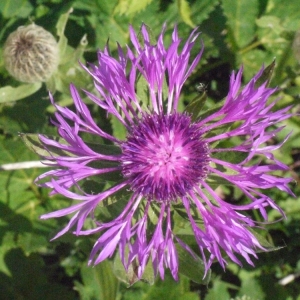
(31, 54)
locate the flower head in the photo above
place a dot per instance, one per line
(167, 160)
(31, 54)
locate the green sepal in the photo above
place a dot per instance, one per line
(266, 75)
(33, 142)
(207, 112)
(268, 245)
(130, 276)
(192, 267)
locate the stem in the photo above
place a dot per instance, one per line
(25, 165)
(250, 47)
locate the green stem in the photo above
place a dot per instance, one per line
(250, 47)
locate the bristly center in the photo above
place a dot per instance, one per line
(164, 156)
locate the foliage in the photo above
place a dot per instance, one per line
(248, 32)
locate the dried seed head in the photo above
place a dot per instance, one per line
(31, 54)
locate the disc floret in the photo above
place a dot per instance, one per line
(164, 156)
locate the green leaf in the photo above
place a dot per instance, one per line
(169, 289)
(194, 108)
(218, 291)
(27, 115)
(241, 16)
(131, 6)
(253, 61)
(60, 29)
(9, 94)
(201, 11)
(20, 201)
(99, 282)
(112, 207)
(193, 268)
(234, 157)
(119, 129)
(19, 8)
(251, 286)
(272, 22)
(215, 181)
(29, 280)
(181, 219)
(185, 12)
(288, 14)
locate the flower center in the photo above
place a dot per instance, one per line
(164, 156)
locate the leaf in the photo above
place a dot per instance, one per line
(169, 289)
(272, 22)
(288, 14)
(193, 268)
(29, 280)
(241, 16)
(215, 181)
(27, 115)
(20, 201)
(252, 61)
(252, 288)
(99, 282)
(15, 185)
(194, 108)
(60, 29)
(119, 129)
(185, 12)
(9, 94)
(218, 291)
(112, 207)
(131, 6)
(200, 10)
(18, 8)
(234, 157)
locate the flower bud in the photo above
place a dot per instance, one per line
(31, 54)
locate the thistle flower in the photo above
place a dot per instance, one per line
(167, 160)
(31, 54)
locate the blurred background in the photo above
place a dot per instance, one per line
(235, 33)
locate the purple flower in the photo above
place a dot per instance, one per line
(167, 160)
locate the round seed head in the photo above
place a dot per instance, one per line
(31, 54)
